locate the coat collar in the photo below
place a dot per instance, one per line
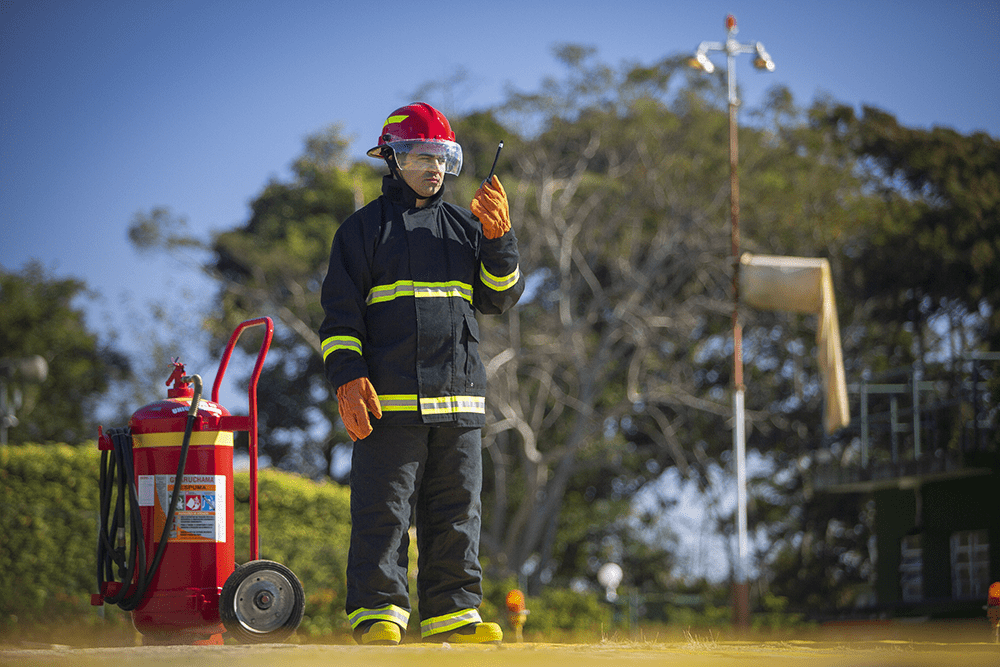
(396, 190)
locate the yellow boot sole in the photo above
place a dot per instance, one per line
(474, 633)
(381, 633)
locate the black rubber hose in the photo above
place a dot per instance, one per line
(111, 543)
(133, 559)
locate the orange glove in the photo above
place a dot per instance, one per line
(354, 400)
(490, 206)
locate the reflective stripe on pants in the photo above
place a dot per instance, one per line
(449, 622)
(388, 613)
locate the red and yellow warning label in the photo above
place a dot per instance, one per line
(200, 515)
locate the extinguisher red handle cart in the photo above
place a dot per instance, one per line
(200, 591)
(261, 601)
(250, 422)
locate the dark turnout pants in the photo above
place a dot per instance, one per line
(434, 473)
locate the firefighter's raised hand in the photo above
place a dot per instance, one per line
(355, 400)
(490, 206)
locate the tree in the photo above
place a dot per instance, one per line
(936, 256)
(38, 317)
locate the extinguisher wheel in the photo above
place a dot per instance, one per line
(261, 602)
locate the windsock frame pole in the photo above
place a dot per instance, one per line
(741, 586)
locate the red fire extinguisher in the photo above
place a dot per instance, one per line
(166, 550)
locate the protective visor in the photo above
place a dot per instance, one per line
(424, 155)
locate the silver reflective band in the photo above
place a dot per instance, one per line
(448, 622)
(418, 289)
(453, 405)
(439, 405)
(340, 343)
(499, 283)
(388, 613)
(398, 402)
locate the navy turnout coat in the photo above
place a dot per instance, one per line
(399, 301)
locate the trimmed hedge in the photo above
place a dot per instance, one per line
(49, 524)
(48, 532)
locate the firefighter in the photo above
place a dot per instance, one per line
(400, 343)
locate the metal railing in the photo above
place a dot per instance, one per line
(925, 419)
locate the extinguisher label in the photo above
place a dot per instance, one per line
(146, 492)
(200, 515)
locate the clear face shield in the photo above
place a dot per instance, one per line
(438, 155)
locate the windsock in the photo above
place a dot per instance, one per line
(804, 285)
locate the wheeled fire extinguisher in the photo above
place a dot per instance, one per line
(166, 549)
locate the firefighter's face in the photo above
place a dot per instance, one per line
(422, 172)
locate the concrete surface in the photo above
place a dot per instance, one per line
(693, 653)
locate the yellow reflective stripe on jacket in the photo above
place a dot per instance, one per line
(390, 612)
(499, 283)
(450, 288)
(398, 402)
(452, 405)
(417, 289)
(340, 343)
(432, 406)
(449, 622)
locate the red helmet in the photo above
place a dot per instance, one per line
(419, 129)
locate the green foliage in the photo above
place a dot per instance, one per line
(479, 134)
(38, 317)
(776, 616)
(709, 616)
(49, 520)
(822, 567)
(563, 609)
(941, 245)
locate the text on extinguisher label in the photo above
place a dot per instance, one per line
(200, 515)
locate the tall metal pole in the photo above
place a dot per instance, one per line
(741, 587)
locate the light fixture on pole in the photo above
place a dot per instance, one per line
(19, 372)
(762, 61)
(610, 576)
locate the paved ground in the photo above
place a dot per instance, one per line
(692, 653)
